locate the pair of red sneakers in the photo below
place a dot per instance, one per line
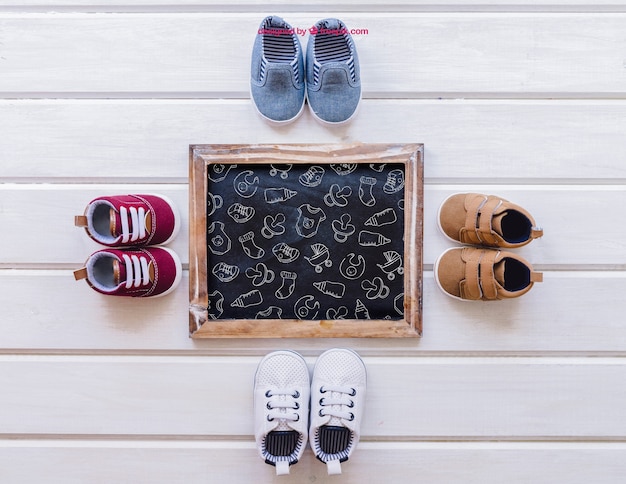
(133, 227)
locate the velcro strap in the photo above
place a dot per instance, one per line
(485, 228)
(469, 233)
(480, 281)
(478, 229)
(470, 286)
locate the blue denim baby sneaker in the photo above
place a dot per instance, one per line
(332, 72)
(277, 77)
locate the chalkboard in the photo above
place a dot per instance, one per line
(305, 240)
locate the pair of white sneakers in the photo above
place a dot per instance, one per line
(285, 396)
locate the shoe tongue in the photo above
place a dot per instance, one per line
(499, 270)
(276, 22)
(115, 222)
(496, 222)
(119, 272)
(330, 24)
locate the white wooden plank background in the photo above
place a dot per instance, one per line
(428, 54)
(519, 98)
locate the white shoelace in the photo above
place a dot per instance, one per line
(138, 222)
(279, 402)
(137, 271)
(338, 403)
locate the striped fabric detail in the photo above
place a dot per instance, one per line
(282, 446)
(282, 49)
(331, 47)
(333, 443)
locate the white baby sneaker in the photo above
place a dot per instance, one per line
(281, 408)
(337, 399)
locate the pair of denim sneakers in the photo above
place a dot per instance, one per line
(281, 81)
(134, 229)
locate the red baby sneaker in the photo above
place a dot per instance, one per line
(130, 220)
(141, 272)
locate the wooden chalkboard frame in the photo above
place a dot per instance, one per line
(202, 156)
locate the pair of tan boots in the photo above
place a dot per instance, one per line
(481, 271)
